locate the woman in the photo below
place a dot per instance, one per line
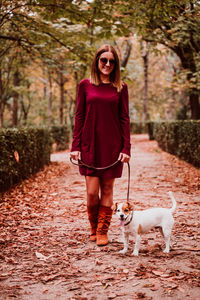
(101, 137)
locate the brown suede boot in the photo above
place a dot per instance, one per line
(93, 219)
(104, 218)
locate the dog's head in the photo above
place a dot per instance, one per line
(122, 211)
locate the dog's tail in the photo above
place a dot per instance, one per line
(173, 202)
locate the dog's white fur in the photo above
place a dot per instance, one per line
(142, 221)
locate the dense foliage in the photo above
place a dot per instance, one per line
(42, 37)
(180, 138)
(61, 136)
(138, 127)
(23, 153)
(175, 24)
(46, 47)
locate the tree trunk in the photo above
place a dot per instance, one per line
(188, 63)
(61, 95)
(194, 105)
(49, 99)
(15, 99)
(45, 88)
(127, 53)
(24, 110)
(1, 113)
(1, 100)
(145, 57)
(193, 96)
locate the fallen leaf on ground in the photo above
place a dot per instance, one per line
(41, 256)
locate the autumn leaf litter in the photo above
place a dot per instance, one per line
(44, 238)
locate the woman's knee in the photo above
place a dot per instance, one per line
(92, 194)
(107, 187)
(92, 190)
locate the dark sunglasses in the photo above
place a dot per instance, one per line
(104, 61)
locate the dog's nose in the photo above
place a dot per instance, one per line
(122, 217)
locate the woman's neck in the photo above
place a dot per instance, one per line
(105, 79)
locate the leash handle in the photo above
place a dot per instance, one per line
(81, 163)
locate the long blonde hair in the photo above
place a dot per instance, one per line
(115, 76)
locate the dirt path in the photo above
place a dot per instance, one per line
(45, 249)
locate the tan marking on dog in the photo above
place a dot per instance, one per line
(139, 229)
(131, 206)
(127, 208)
(114, 207)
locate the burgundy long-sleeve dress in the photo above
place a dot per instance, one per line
(102, 128)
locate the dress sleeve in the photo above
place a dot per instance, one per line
(125, 120)
(79, 117)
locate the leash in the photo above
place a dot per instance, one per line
(129, 171)
(82, 164)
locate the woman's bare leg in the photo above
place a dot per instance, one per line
(106, 186)
(92, 186)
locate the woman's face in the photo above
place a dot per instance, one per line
(106, 63)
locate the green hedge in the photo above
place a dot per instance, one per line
(61, 137)
(181, 138)
(23, 152)
(139, 127)
(142, 127)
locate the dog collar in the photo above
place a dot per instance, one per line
(130, 219)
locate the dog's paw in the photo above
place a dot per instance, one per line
(123, 251)
(135, 253)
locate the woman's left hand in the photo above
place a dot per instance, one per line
(124, 158)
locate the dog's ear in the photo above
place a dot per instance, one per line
(114, 207)
(130, 206)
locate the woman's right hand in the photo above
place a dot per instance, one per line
(76, 155)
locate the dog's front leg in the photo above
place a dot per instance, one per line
(125, 236)
(137, 245)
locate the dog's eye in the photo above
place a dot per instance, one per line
(126, 210)
(118, 210)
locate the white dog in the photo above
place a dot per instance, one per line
(139, 222)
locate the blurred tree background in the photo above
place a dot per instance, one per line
(47, 46)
